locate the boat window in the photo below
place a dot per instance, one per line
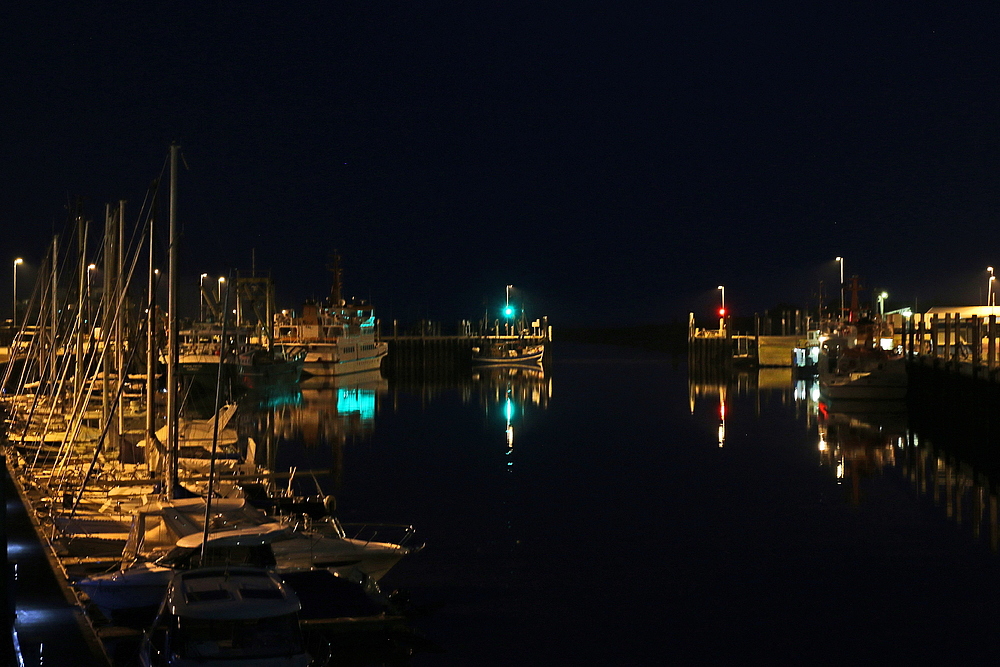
(178, 558)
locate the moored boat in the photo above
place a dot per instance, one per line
(336, 338)
(498, 351)
(226, 616)
(854, 365)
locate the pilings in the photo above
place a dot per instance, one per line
(963, 347)
(423, 356)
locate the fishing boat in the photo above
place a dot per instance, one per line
(501, 351)
(247, 365)
(226, 616)
(336, 337)
(515, 342)
(857, 362)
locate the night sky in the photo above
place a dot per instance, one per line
(615, 162)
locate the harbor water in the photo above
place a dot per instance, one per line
(611, 509)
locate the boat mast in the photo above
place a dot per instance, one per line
(336, 290)
(151, 441)
(54, 313)
(107, 311)
(171, 468)
(81, 236)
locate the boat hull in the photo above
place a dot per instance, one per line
(509, 357)
(329, 365)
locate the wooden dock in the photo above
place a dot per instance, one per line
(954, 345)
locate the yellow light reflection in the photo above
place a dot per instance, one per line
(722, 424)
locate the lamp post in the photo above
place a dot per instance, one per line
(201, 297)
(506, 309)
(722, 310)
(989, 287)
(90, 269)
(881, 303)
(14, 316)
(840, 260)
(222, 279)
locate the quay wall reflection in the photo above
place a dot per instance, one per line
(947, 453)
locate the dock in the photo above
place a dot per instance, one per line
(429, 348)
(50, 627)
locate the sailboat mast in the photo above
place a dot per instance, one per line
(54, 314)
(121, 372)
(81, 282)
(172, 319)
(151, 336)
(106, 311)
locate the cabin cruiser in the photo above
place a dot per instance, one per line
(226, 616)
(167, 537)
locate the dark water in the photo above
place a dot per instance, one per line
(608, 525)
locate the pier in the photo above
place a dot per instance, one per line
(429, 348)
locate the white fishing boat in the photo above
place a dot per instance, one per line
(338, 337)
(226, 616)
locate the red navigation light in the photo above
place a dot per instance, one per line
(722, 312)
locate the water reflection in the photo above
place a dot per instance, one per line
(512, 391)
(946, 454)
(306, 426)
(858, 445)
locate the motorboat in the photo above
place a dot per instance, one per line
(167, 537)
(226, 616)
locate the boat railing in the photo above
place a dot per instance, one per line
(401, 534)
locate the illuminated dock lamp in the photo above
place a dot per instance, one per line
(13, 319)
(990, 298)
(722, 308)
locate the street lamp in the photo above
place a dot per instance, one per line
(507, 312)
(840, 260)
(222, 279)
(90, 268)
(201, 297)
(722, 310)
(881, 303)
(14, 317)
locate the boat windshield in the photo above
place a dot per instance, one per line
(238, 639)
(186, 558)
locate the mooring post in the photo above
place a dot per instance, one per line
(934, 338)
(991, 351)
(976, 341)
